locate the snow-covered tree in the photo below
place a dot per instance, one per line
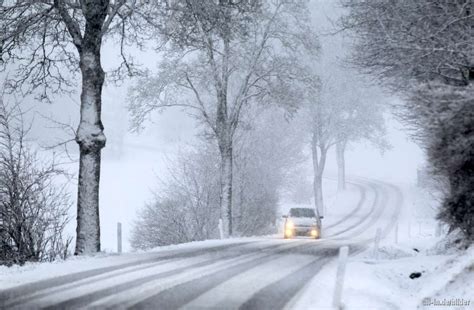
(423, 50)
(235, 53)
(43, 45)
(445, 125)
(402, 42)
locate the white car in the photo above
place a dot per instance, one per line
(302, 222)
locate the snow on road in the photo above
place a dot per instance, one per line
(248, 273)
(249, 282)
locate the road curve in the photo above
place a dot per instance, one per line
(254, 274)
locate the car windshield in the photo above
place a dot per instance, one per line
(302, 212)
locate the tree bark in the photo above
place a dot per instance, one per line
(226, 189)
(91, 139)
(341, 165)
(90, 134)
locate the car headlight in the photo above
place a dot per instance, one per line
(290, 225)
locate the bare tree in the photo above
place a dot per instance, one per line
(322, 138)
(321, 121)
(337, 114)
(44, 44)
(33, 210)
(235, 53)
(360, 116)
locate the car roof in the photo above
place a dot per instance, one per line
(302, 212)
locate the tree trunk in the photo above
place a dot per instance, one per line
(318, 168)
(90, 133)
(226, 189)
(91, 139)
(341, 165)
(318, 194)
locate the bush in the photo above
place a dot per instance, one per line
(187, 208)
(33, 211)
(446, 114)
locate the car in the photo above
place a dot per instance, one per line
(302, 222)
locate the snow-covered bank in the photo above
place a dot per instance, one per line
(386, 283)
(406, 279)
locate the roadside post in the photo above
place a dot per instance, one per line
(341, 269)
(119, 237)
(221, 229)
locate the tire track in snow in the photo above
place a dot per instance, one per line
(27, 293)
(366, 217)
(362, 199)
(230, 288)
(278, 294)
(385, 191)
(397, 206)
(81, 294)
(26, 289)
(133, 296)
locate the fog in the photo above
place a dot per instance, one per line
(284, 154)
(135, 162)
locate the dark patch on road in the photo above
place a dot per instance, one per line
(180, 295)
(278, 294)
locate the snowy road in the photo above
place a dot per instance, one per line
(254, 273)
